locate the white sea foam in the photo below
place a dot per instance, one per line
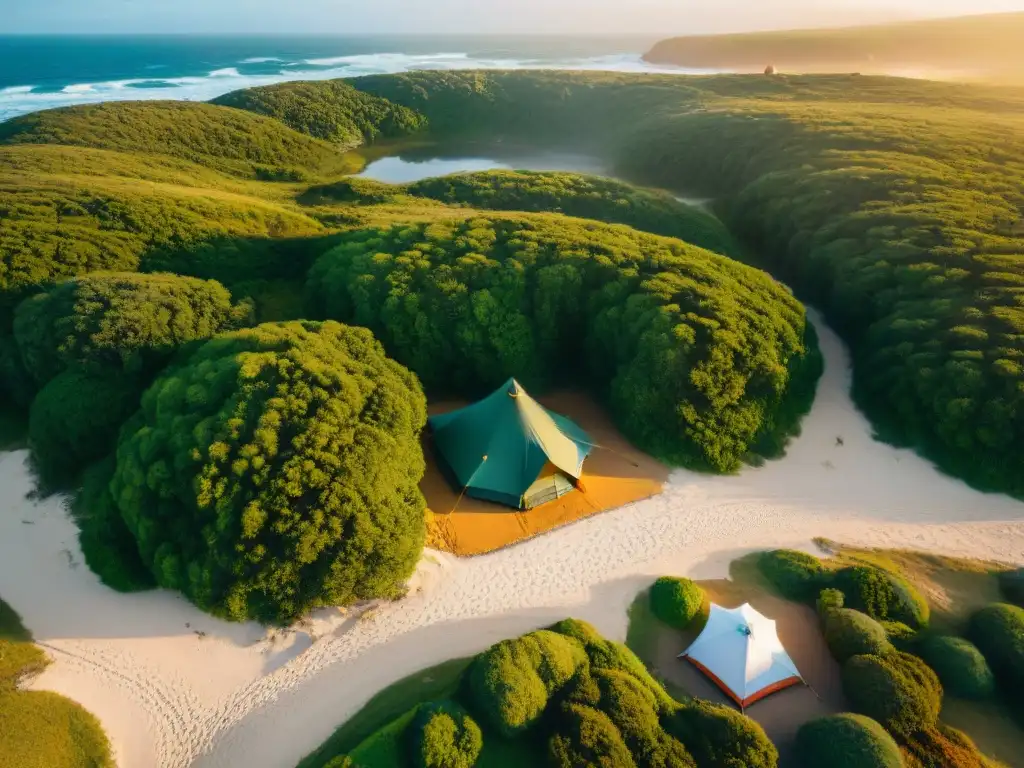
(260, 60)
(22, 99)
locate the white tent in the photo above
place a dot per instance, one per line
(740, 651)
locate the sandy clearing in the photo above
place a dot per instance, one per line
(239, 697)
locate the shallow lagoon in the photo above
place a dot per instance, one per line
(407, 168)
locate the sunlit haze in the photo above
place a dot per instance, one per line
(498, 16)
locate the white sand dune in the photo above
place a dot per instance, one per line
(238, 696)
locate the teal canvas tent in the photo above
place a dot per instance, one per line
(509, 449)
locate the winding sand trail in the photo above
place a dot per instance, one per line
(241, 696)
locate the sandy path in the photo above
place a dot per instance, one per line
(169, 698)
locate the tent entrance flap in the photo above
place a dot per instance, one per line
(509, 449)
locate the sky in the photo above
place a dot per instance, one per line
(662, 17)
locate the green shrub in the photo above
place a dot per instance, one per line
(444, 736)
(587, 736)
(16, 385)
(466, 304)
(900, 635)
(961, 667)
(110, 550)
(720, 737)
(998, 632)
(341, 761)
(829, 600)
(74, 421)
(898, 690)
(676, 602)
(795, 575)
(852, 633)
(300, 441)
(512, 682)
(122, 322)
(1012, 585)
(846, 741)
(943, 747)
(332, 110)
(882, 595)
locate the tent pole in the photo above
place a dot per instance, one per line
(466, 487)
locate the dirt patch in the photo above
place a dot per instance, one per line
(782, 713)
(613, 475)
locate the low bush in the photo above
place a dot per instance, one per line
(846, 741)
(74, 421)
(961, 667)
(882, 595)
(829, 600)
(512, 682)
(633, 709)
(721, 737)
(900, 635)
(998, 632)
(898, 690)
(851, 633)
(443, 735)
(675, 601)
(1011, 583)
(795, 575)
(943, 747)
(587, 736)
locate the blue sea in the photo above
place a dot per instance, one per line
(40, 72)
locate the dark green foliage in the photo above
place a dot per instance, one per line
(110, 549)
(263, 467)
(587, 736)
(16, 385)
(795, 575)
(333, 111)
(998, 632)
(900, 635)
(676, 601)
(75, 419)
(589, 197)
(512, 681)
(633, 709)
(341, 761)
(852, 633)
(943, 747)
(229, 140)
(121, 323)
(829, 600)
(1012, 585)
(720, 737)
(882, 595)
(443, 735)
(960, 666)
(898, 690)
(696, 354)
(846, 741)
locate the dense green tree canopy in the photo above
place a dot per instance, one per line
(700, 357)
(589, 197)
(264, 468)
(233, 141)
(116, 321)
(333, 111)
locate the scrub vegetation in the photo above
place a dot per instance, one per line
(896, 206)
(563, 696)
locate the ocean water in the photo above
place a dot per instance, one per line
(40, 72)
